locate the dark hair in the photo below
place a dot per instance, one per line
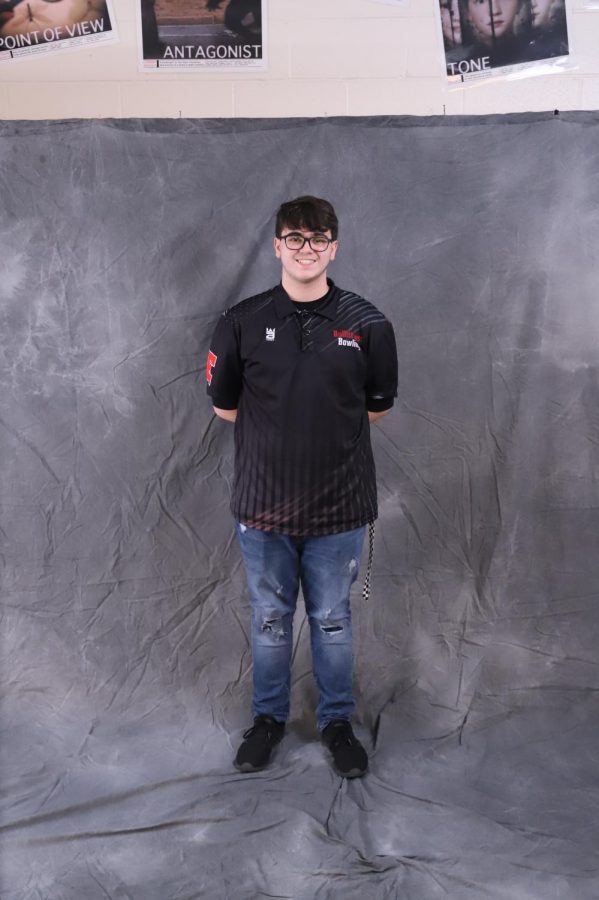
(310, 213)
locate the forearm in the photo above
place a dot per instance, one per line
(229, 415)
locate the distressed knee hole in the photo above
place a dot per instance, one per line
(243, 528)
(272, 625)
(353, 565)
(331, 628)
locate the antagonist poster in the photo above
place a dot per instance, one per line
(31, 27)
(205, 34)
(495, 36)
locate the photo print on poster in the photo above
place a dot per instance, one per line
(490, 37)
(32, 27)
(202, 34)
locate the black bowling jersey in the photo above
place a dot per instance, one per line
(302, 383)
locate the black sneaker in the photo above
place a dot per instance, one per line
(259, 742)
(349, 756)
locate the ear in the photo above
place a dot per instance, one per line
(334, 247)
(277, 245)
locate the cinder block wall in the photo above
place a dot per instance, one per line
(326, 58)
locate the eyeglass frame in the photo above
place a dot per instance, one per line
(307, 240)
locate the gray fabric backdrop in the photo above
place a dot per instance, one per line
(126, 664)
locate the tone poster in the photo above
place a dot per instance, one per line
(500, 37)
(206, 34)
(31, 27)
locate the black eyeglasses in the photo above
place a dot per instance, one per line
(295, 241)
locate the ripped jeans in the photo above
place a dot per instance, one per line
(326, 567)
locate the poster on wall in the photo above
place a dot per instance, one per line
(208, 34)
(500, 37)
(31, 27)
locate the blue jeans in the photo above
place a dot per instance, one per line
(326, 567)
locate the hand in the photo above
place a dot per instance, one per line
(375, 416)
(229, 415)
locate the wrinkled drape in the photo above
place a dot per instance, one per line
(126, 663)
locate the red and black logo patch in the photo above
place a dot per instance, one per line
(210, 364)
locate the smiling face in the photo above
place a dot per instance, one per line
(304, 271)
(492, 17)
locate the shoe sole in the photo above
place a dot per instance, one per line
(353, 773)
(248, 767)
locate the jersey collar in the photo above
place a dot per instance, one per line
(284, 306)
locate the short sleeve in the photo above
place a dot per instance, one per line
(223, 366)
(381, 380)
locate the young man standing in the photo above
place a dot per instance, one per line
(302, 370)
